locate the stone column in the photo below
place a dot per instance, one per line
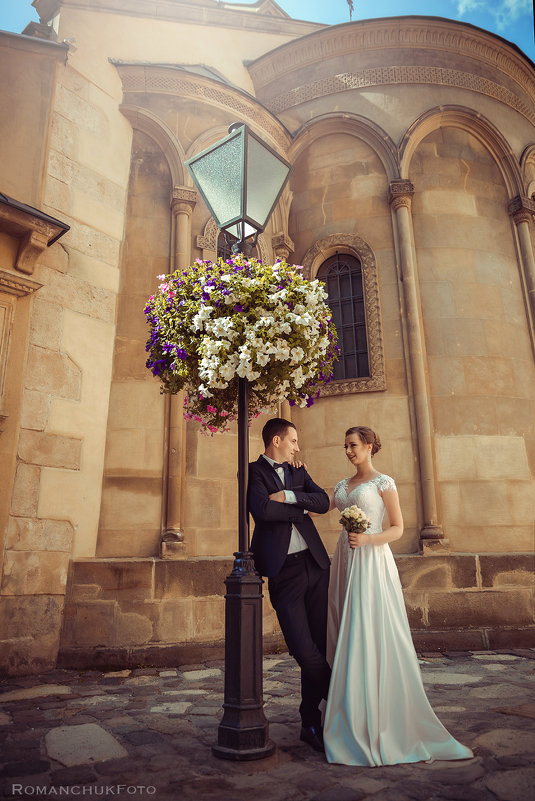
(431, 534)
(173, 545)
(282, 246)
(522, 210)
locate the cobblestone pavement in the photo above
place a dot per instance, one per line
(148, 733)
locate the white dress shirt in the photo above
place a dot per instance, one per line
(297, 542)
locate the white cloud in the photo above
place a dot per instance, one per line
(509, 11)
(505, 12)
(465, 6)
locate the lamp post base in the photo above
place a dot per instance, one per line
(243, 733)
(244, 755)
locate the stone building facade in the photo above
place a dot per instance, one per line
(412, 141)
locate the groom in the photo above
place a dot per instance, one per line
(288, 549)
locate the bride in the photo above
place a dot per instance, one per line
(377, 711)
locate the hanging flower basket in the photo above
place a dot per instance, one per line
(216, 321)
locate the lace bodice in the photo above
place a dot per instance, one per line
(367, 497)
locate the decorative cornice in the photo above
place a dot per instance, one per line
(408, 75)
(313, 259)
(14, 284)
(169, 80)
(207, 13)
(400, 194)
(183, 199)
(521, 209)
(394, 32)
(33, 229)
(282, 245)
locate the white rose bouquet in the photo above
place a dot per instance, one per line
(216, 321)
(353, 519)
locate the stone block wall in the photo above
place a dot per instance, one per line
(148, 611)
(126, 612)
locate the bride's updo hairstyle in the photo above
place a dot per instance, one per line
(366, 435)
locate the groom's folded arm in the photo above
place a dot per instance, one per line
(262, 509)
(312, 498)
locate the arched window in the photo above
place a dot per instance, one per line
(342, 276)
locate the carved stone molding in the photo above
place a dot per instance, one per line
(33, 229)
(400, 194)
(384, 76)
(521, 209)
(173, 81)
(18, 285)
(356, 246)
(183, 200)
(399, 33)
(208, 239)
(282, 246)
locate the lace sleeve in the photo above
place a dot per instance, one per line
(386, 483)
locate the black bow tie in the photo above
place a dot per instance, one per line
(276, 465)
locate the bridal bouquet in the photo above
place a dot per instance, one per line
(353, 519)
(216, 321)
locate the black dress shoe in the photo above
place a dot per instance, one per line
(313, 736)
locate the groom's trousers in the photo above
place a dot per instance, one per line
(299, 595)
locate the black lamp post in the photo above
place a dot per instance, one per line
(241, 179)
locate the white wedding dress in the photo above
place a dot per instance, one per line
(377, 712)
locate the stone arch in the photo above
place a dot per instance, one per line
(354, 245)
(473, 123)
(527, 165)
(352, 125)
(143, 120)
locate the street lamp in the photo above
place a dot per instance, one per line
(241, 179)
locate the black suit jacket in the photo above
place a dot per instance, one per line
(273, 520)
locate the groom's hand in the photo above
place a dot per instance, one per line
(279, 496)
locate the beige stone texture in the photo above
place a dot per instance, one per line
(136, 625)
(466, 537)
(510, 570)
(46, 322)
(71, 495)
(114, 579)
(53, 373)
(481, 457)
(29, 534)
(28, 71)
(34, 573)
(26, 490)
(209, 618)
(116, 542)
(78, 295)
(49, 450)
(30, 616)
(131, 502)
(90, 623)
(437, 572)
(484, 608)
(196, 577)
(176, 620)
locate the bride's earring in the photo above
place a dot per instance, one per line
(369, 457)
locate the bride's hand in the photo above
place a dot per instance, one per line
(297, 463)
(357, 540)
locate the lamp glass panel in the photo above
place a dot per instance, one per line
(236, 230)
(218, 173)
(266, 174)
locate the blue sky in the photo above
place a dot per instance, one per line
(511, 19)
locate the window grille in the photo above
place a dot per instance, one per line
(342, 276)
